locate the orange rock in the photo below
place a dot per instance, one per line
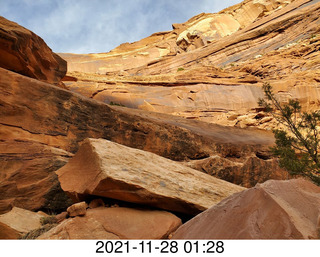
(272, 210)
(103, 168)
(116, 223)
(18, 221)
(77, 209)
(27, 175)
(26, 53)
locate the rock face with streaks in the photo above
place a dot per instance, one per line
(27, 178)
(116, 223)
(41, 127)
(107, 169)
(272, 210)
(26, 53)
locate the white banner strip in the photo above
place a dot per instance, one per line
(88, 248)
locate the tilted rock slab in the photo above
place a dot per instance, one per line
(273, 210)
(26, 53)
(108, 169)
(116, 223)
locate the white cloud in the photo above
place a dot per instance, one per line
(82, 26)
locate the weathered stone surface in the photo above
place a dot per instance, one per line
(246, 171)
(107, 169)
(273, 210)
(35, 111)
(18, 221)
(7, 232)
(61, 216)
(95, 203)
(201, 30)
(77, 209)
(27, 178)
(116, 223)
(24, 52)
(277, 41)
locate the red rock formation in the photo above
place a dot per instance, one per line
(26, 53)
(27, 175)
(116, 223)
(272, 210)
(17, 222)
(276, 41)
(107, 169)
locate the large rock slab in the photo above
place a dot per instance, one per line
(17, 222)
(26, 53)
(108, 169)
(116, 223)
(272, 210)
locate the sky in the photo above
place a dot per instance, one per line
(96, 26)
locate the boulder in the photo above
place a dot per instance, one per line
(77, 209)
(26, 53)
(17, 222)
(107, 169)
(272, 210)
(116, 223)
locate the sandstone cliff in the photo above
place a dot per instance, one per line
(212, 67)
(191, 92)
(26, 53)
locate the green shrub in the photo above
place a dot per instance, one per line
(297, 146)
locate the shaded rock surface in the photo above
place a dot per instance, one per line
(27, 178)
(107, 169)
(26, 53)
(17, 222)
(272, 210)
(116, 223)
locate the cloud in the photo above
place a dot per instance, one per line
(81, 26)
